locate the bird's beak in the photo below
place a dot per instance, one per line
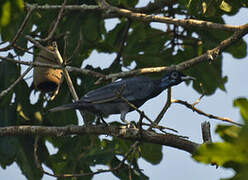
(185, 78)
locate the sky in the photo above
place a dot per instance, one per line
(177, 164)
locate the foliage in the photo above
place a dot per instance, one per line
(232, 153)
(146, 45)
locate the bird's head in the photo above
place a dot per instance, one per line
(173, 78)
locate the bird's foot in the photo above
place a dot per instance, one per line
(100, 121)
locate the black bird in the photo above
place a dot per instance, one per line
(137, 90)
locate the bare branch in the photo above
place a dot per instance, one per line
(199, 99)
(4, 92)
(161, 128)
(165, 108)
(122, 44)
(120, 132)
(50, 35)
(20, 30)
(168, 20)
(69, 68)
(82, 7)
(68, 79)
(211, 54)
(142, 114)
(190, 106)
(140, 16)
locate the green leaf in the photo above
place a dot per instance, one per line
(238, 50)
(228, 133)
(8, 145)
(9, 73)
(210, 81)
(126, 172)
(232, 153)
(91, 21)
(242, 103)
(11, 12)
(25, 158)
(152, 153)
(218, 153)
(225, 6)
(113, 36)
(8, 150)
(6, 14)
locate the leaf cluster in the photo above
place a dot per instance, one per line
(232, 152)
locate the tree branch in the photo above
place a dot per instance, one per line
(121, 132)
(179, 22)
(209, 55)
(4, 92)
(165, 108)
(69, 68)
(50, 35)
(211, 116)
(20, 30)
(140, 16)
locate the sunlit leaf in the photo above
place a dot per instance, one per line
(225, 6)
(6, 10)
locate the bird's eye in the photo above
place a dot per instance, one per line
(174, 75)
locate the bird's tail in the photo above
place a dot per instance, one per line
(65, 107)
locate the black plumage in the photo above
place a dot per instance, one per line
(137, 90)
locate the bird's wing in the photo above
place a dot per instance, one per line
(132, 89)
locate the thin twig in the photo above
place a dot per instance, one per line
(131, 149)
(159, 127)
(79, 43)
(152, 125)
(165, 108)
(20, 30)
(190, 106)
(82, 7)
(56, 23)
(68, 79)
(26, 50)
(36, 159)
(4, 92)
(38, 45)
(136, 109)
(65, 72)
(122, 44)
(69, 68)
(199, 99)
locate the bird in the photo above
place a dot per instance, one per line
(136, 90)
